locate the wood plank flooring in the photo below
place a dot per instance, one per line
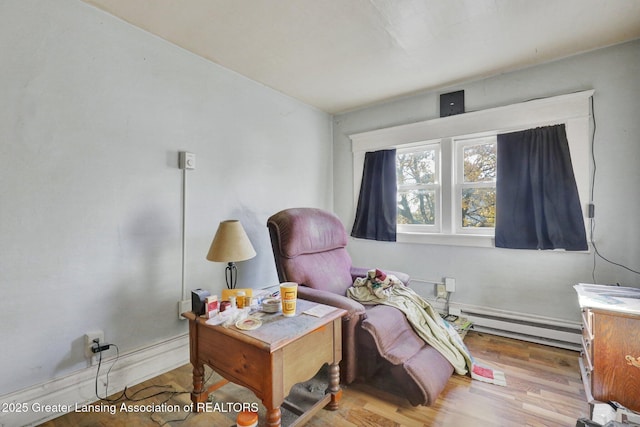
(543, 389)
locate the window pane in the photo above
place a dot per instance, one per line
(416, 168)
(416, 207)
(478, 207)
(480, 163)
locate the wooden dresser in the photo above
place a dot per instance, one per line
(610, 357)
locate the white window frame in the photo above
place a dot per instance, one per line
(437, 187)
(459, 145)
(572, 110)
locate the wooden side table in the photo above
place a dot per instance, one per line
(271, 359)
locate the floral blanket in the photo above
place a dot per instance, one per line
(379, 288)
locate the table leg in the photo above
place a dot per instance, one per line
(274, 417)
(198, 394)
(334, 387)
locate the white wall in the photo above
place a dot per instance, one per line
(525, 281)
(93, 113)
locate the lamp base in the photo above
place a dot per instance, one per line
(231, 275)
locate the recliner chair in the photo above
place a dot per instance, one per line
(309, 248)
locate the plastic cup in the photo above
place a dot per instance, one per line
(288, 295)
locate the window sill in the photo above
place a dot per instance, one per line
(465, 240)
(447, 239)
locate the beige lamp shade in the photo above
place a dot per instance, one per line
(230, 243)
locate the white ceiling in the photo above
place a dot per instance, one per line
(339, 55)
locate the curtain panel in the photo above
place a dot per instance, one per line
(537, 203)
(376, 212)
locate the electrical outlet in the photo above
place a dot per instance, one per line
(183, 306)
(441, 291)
(89, 338)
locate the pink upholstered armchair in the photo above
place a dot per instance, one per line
(309, 247)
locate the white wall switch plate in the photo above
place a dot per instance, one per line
(450, 284)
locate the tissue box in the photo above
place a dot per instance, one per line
(198, 301)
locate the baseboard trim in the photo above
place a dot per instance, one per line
(79, 387)
(556, 332)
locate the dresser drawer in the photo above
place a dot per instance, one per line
(587, 323)
(587, 354)
(587, 339)
(586, 374)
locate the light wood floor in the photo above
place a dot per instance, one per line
(543, 389)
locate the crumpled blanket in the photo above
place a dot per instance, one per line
(380, 288)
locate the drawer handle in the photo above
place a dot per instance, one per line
(632, 361)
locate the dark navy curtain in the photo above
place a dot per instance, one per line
(537, 204)
(376, 212)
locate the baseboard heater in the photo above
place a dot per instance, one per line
(526, 327)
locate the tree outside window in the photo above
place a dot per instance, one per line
(418, 185)
(478, 186)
